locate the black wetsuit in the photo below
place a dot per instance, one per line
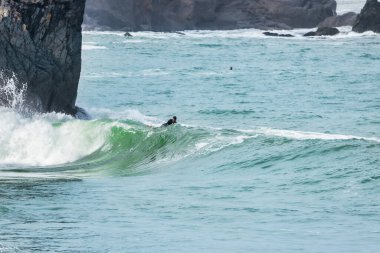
(170, 122)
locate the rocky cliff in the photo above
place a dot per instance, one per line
(40, 42)
(175, 15)
(369, 18)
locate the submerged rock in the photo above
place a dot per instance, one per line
(40, 42)
(324, 31)
(369, 18)
(347, 19)
(176, 15)
(277, 34)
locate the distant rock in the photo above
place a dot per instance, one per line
(179, 15)
(325, 31)
(40, 42)
(271, 34)
(369, 18)
(127, 34)
(347, 19)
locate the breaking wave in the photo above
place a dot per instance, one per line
(56, 142)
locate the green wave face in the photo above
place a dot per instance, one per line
(57, 144)
(129, 147)
(134, 148)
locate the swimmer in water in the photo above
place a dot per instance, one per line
(170, 122)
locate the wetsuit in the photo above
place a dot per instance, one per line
(170, 122)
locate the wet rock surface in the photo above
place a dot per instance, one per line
(325, 31)
(272, 34)
(369, 18)
(40, 42)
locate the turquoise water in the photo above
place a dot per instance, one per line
(279, 154)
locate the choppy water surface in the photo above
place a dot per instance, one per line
(279, 154)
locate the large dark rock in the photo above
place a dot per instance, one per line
(324, 31)
(175, 15)
(347, 19)
(369, 18)
(40, 42)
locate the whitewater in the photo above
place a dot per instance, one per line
(279, 154)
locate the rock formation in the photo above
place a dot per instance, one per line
(270, 34)
(347, 19)
(369, 18)
(176, 15)
(324, 31)
(40, 42)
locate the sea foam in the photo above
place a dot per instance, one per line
(301, 135)
(45, 140)
(12, 91)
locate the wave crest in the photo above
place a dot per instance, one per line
(57, 142)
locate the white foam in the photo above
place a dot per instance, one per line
(346, 32)
(100, 33)
(7, 248)
(154, 72)
(219, 142)
(37, 141)
(13, 91)
(92, 47)
(300, 135)
(133, 41)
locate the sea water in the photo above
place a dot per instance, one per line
(281, 153)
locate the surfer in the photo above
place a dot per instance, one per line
(170, 122)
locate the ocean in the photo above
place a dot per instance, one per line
(278, 154)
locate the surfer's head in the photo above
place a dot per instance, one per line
(175, 119)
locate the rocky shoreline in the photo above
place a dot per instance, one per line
(168, 16)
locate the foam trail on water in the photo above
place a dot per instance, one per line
(300, 135)
(92, 47)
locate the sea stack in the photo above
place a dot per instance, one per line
(40, 42)
(369, 18)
